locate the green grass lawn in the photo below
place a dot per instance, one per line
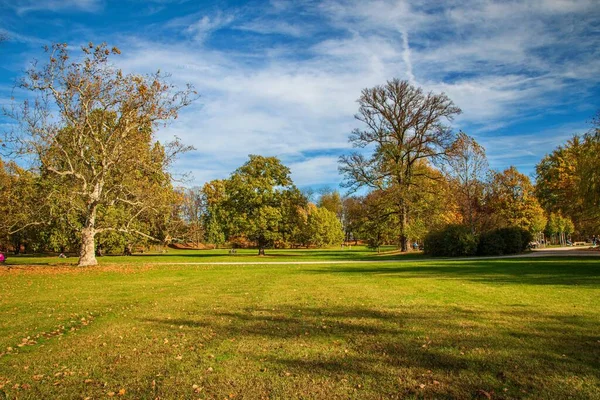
(514, 328)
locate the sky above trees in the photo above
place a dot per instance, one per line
(281, 78)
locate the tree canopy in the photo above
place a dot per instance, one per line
(90, 127)
(404, 127)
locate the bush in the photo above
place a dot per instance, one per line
(501, 241)
(490, 244)
(451, 241)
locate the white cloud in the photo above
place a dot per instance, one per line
(499, 61)
(203, 27)
(25, 6)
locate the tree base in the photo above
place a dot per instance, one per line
(87, 263)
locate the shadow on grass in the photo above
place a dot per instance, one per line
(463, 349)
(578, 271)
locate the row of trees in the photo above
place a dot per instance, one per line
(568, 181)
(258, 205)
(421, 177)
(97, 172)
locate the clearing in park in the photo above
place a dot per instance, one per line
(147, 327)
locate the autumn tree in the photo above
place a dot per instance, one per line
(323, 227)
(466, 168)
(23, 212)
(193, 212)
(403, 127)
(91, 129)
(352, 215)
(568, 180)
(332, 201)
(511, 197)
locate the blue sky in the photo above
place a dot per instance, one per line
(282, 77)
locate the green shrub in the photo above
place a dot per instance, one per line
(512, 240)
(490, 244)
(451, 241)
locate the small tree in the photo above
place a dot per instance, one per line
(255, 196)
(91, 129)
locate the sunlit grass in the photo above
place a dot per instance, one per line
(523, 328)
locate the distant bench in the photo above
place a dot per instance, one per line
(579, 243)
(232, 251)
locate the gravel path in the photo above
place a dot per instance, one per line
(550, 252)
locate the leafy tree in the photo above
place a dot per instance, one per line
(216, 217)
(559, 228)
(255, 196)
(403, 126)
(568, 180)
(324, 228)
(511, 198)
(91, 130)
(351, 217)
(378, 219)
(20, 205)
(332, 201)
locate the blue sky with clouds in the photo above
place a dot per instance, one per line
(282, 77)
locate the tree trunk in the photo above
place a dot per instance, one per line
(261, 251)
(87, 251)
(403, 226)
(87, 255)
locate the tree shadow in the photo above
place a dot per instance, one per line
(450, 344)
(580, 271)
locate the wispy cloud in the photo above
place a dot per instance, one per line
(203, 27)
(282, 78)
(22, 7)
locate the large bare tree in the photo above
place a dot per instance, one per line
(403, 128)
(90, 127)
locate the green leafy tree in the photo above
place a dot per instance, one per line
(91, 129)
(23, 211)
(324, 228)
(255, 195)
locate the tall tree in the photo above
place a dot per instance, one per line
(467, 168)
(568, 180)
(403, 127)
(91, 128)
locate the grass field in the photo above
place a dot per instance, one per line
(514, 328)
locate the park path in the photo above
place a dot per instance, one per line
(549, 252)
